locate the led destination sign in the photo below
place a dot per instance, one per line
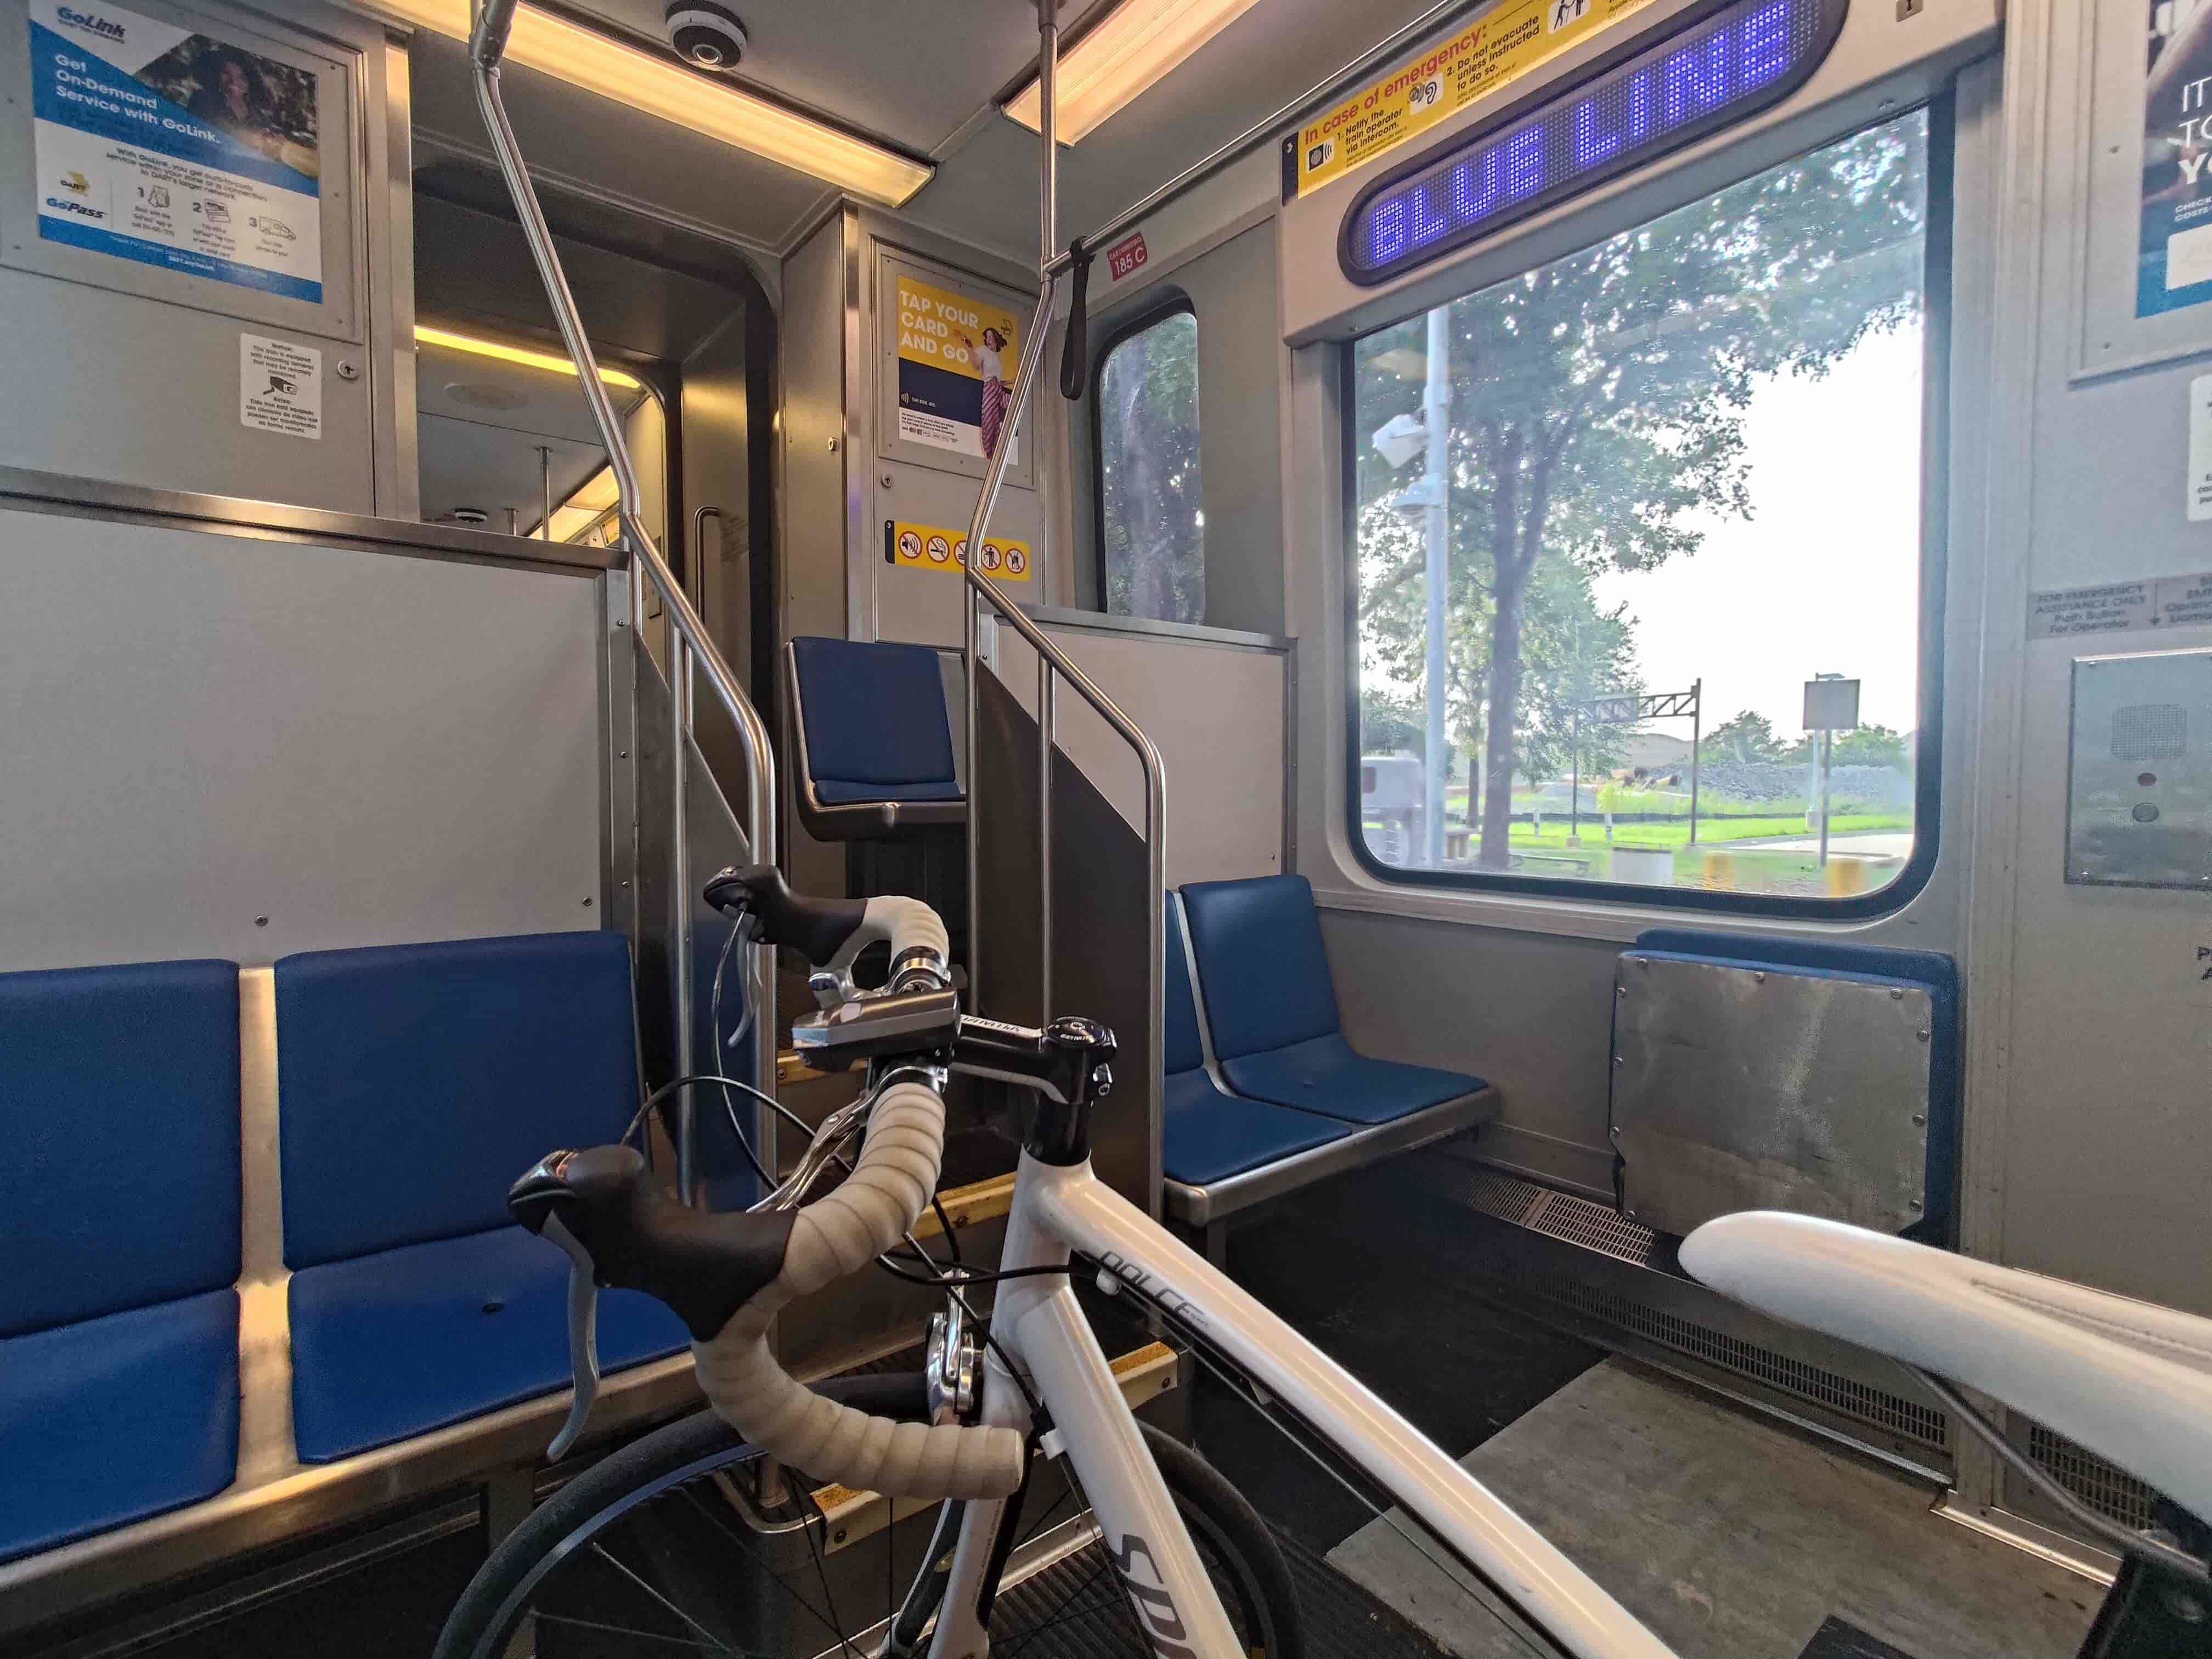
(1735, 61)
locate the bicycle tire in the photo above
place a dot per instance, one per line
(1242, 1555)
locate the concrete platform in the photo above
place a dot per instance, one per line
(1731, 1536)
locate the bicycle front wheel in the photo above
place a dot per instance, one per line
(671, 1547)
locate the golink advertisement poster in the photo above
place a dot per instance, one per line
(172, 147)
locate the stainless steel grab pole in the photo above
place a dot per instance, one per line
(487, 46)
(1148, 757)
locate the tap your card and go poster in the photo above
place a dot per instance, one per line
(958, 353)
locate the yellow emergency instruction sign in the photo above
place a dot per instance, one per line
(1506, 43)
(932, 547)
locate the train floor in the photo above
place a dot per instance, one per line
(1729, 1533)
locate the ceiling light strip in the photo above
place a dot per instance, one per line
(1137, 45)
(721, 110)
(550, 361)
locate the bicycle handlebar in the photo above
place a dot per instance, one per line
(831, 932)
(727, 1276)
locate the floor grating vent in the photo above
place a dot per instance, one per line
(1558, 1215)
(1593, 1227)
(1507, 1197)
(1900, 1416)
(2109, 1490)
(1596, 1228)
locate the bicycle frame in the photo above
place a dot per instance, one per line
(1060, 1211)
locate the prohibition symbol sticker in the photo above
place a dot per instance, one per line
(943, 548)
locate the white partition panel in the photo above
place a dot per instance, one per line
(1213, 704)
(217, 746)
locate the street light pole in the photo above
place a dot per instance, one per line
(1436, 407)
(1697, 738)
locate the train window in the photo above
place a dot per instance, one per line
(1640, 555)
(1151, 511)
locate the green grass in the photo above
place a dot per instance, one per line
(1710, 833)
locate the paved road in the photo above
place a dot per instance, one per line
(1874, 844)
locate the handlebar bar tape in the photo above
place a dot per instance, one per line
(917, 938)
(838, 1234)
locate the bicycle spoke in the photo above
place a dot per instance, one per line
(752, 1553)
(570, 1622)
(608, 1556)
(1069, 1610)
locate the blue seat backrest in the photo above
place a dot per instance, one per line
(119, 1087)
(1182, 1049)
(1260, 962)
(1937, 973)
(417, 1082)
(873, 712)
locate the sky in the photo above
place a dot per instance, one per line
(1825, 577)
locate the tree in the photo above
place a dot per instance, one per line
(1576, 649)
(1598, 401)
(1749, 737)
(1153, 515)
(1872, 745)
(1388, 724)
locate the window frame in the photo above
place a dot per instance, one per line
(1174, 303)
(1935, 565)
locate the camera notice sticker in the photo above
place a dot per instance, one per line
(280, 386)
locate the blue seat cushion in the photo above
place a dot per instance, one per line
(836, 791)
(416, 1082)
(1259, 962)
(113, 1419)
(408, 1340)
(1325, 1075)
(119, 1087)
(1207, 1136)
(874, 714)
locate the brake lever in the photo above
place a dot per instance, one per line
(583, 1336)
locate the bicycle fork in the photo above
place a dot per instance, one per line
(1038, 1322)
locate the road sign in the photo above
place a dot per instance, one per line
(1832, 705)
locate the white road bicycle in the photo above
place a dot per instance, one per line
(690, 1538)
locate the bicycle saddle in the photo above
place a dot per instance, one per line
(2129, 1380)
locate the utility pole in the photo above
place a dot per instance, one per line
(1436, 407)
(1697, 742)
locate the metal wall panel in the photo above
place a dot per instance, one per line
(218, 746)
(1737, 1088)
(129, 372)
(1224, 772)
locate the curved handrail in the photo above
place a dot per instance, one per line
(691, 643)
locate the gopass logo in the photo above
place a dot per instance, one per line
(87, 22)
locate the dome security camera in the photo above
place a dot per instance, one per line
(706, 35)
